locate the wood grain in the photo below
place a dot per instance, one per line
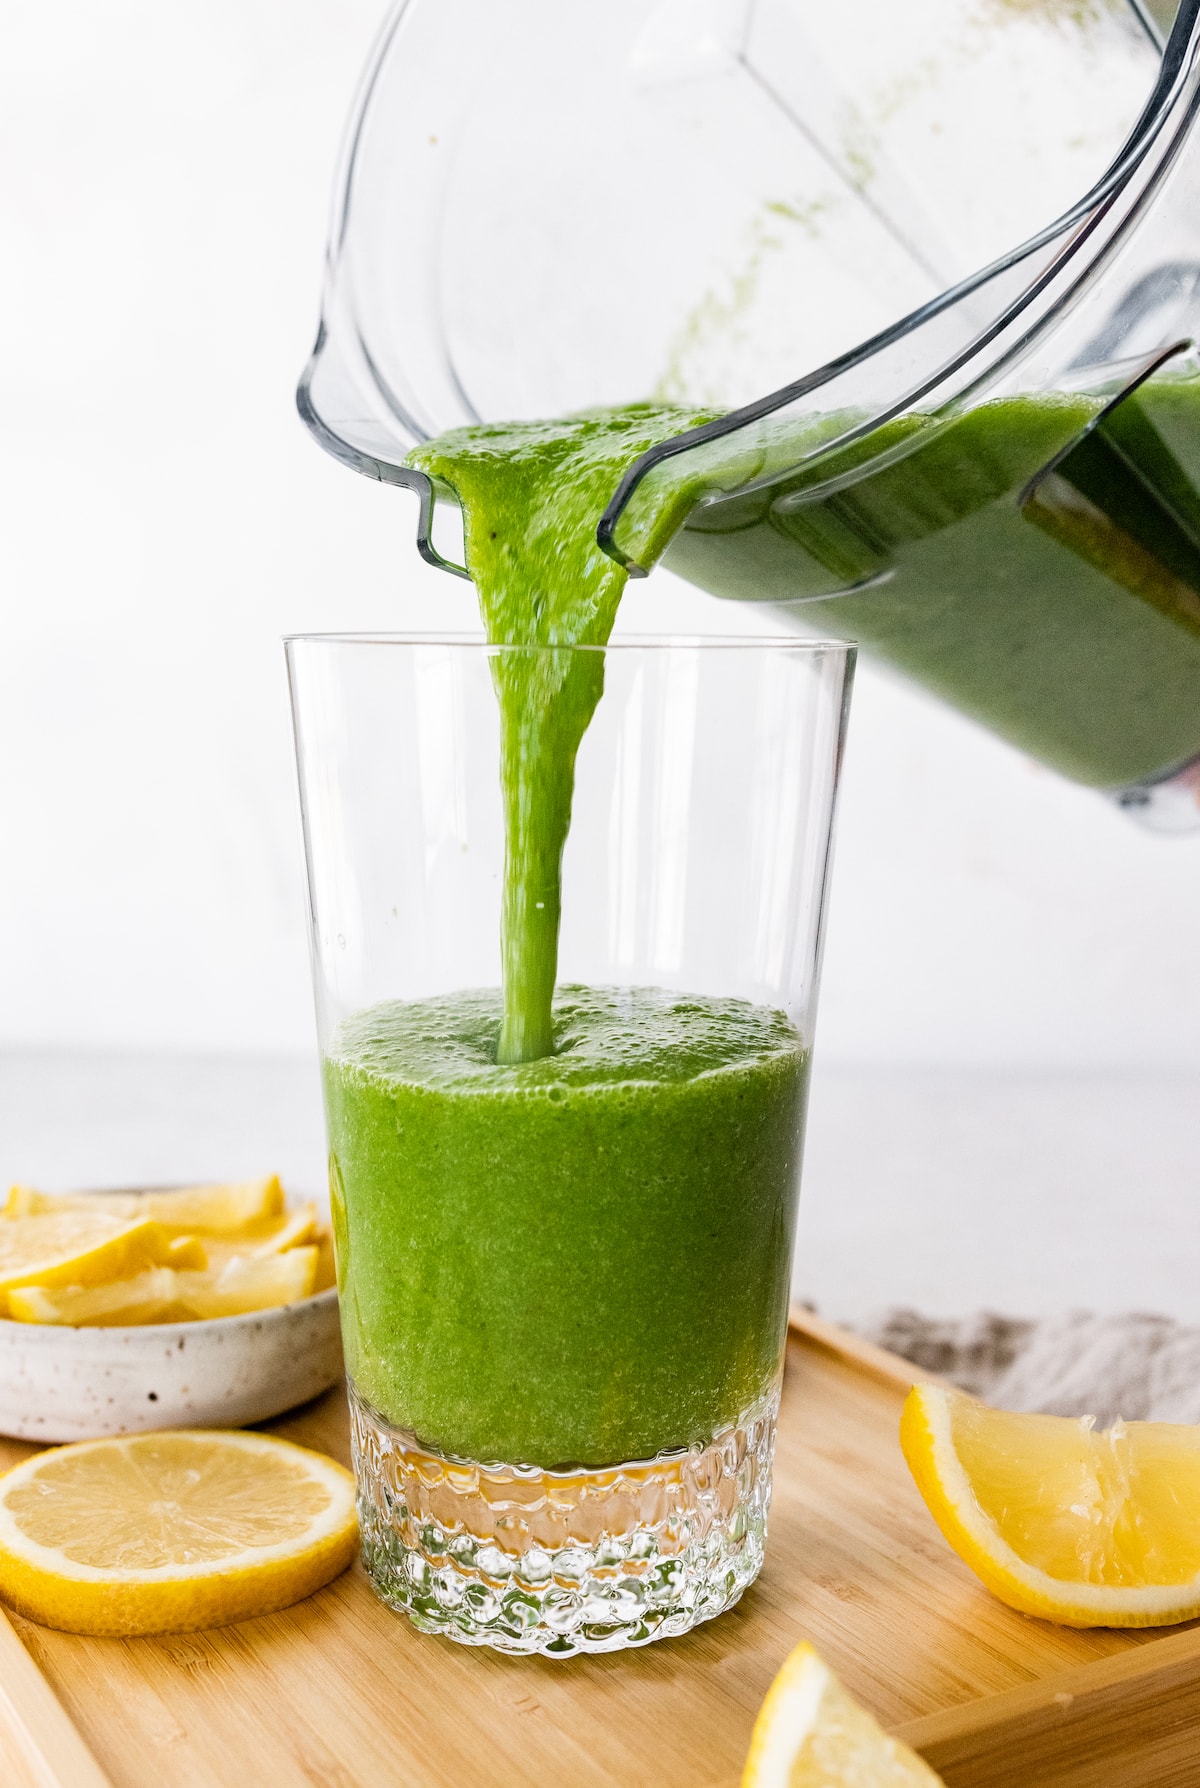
(852, 1349)
(339, 1691)
(1132, 1719)
(39, 1745)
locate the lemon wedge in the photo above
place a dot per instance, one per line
(147, 1297)
(112, 1258)
(274, 1236)
(77, 1248)
(1082, 1526)
(205, 1210)
(248, 1283)
(811, 1734)
(170, 1532)
(187, 1251)
(163, 1294)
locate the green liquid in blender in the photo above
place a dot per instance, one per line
(564, 1220)
(1061, 611)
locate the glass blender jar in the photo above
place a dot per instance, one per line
(989, 476)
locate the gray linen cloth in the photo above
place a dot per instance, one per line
(1143, 1368)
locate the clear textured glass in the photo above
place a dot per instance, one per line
(564, 1283)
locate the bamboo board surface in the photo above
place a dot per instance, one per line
(340, 1692)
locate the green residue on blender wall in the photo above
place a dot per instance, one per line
(531, 494)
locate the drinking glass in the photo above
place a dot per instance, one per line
(564, 1282)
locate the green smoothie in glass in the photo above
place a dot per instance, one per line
(577, 1260)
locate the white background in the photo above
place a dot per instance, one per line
(166, 519)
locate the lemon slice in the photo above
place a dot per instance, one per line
(811, 1734)
(1085, 1527)
(166, 1533)
(76, 1248)
(147, 1297)
(162, 1294)
(210, 1210)
(187, 1251)
(274, 1236)
(249, 1283)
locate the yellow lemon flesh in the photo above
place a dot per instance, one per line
(1091, 1528)
(147, 1297)
(206, 1210)
(295, 1229)
(76, 1248)
(811, 1734)
(163, 1294)
(170, 1532)
(249, 1283)
(122, 1258)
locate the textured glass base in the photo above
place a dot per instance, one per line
(563, 1561)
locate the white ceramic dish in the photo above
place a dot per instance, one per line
(78, 1384)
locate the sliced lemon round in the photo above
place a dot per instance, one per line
(811, 1734)
(169, 1532)
(1087, 1527)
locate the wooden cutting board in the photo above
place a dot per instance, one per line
(340, 1692)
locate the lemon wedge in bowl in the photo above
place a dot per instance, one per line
(163, 1294)
(206, 1210)
(1087, 1527)
(77, 1247)
(811, 1734)
(172, 1531)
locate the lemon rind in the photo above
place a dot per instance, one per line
(786, 1718)
(111, 1250)
(142, 1610)
(926, 1437)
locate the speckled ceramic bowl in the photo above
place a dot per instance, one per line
(77, 1384)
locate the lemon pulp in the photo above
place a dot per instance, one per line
(1085, 1526)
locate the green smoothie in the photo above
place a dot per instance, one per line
(574, 1261)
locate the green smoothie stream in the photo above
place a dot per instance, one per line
(564, 1221)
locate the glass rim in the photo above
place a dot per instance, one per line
(805, 647)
